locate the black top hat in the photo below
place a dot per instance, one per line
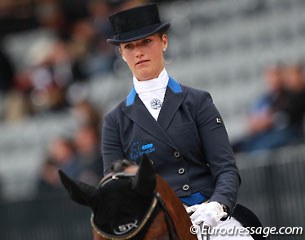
(136, 23)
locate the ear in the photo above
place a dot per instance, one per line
(145, 180)
(80, 192)
(164, 42)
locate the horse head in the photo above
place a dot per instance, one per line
(131, 203)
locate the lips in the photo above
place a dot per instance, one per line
(142, 61)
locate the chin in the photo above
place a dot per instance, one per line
(144, 77)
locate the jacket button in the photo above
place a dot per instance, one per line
(185, 187)
(181, 171)
(176, 154)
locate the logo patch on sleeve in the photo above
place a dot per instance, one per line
(218, 120)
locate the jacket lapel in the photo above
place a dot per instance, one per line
(138, 113)
(172, 100)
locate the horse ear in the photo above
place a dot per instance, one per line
(145, 180)
(80, 192)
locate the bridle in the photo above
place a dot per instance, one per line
(156, 206)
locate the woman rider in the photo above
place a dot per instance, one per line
(178, 127)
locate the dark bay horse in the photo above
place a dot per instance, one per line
(132, 203)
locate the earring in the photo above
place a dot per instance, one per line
(164, 49)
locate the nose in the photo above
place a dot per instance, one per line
(139, 51)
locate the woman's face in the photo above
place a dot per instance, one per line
(145, 56)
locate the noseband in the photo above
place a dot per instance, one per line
(156, 206)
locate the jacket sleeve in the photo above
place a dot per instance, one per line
(111, 145)
(218, 151)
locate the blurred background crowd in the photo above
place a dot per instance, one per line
(276, 118)
(67, 46)
(58, 77)
(49, 50)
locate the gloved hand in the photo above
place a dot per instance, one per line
(190, 210)
(207, 213)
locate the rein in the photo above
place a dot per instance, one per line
(157, 205)
(169, 221)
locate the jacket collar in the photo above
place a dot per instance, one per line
(172, 84)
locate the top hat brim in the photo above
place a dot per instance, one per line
(139, 33)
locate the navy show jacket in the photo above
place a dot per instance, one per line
(188, 144)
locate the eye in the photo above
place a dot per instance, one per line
(147, 40)
(128, 46)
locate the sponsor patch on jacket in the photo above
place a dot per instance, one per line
(137, 149)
